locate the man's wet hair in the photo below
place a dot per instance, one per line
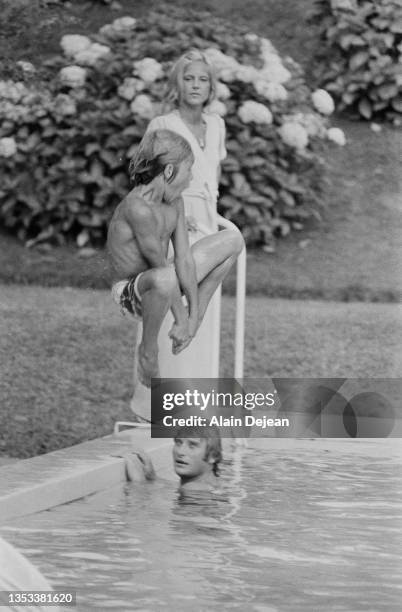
(211, 434)
(157, 149)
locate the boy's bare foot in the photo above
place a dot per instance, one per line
(148, 367)
(177, 347)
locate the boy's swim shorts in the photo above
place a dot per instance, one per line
(126, 294)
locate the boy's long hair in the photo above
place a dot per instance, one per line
(175, 81)
(209, 433)
(157, 149)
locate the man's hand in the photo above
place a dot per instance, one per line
(147, 465)
(131, 467)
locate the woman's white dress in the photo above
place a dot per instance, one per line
(201, 358)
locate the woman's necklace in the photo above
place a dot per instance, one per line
(197, 130)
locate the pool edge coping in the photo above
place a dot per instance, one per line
(39, 483)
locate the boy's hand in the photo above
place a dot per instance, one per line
(179, 332)
(180, 336)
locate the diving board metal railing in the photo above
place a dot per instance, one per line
(240, 303)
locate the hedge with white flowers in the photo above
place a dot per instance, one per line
(65, 143)
(360, 55)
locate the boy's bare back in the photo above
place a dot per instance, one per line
(138, 222)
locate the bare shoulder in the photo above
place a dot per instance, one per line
(136, 208)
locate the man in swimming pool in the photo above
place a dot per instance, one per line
(145, 282)
(197, 452)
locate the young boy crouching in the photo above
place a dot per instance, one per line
(146, 283)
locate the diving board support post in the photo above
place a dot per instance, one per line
(240, 314)
(241, 265)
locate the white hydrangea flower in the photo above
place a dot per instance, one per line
(142, 106)
(219, 59)
(12, 91)
(130, 87)
(107, 30)
(275, 72)
(224, 65)
(294, 135)
(270, 57)
(124, 24)
(222, 91)
(267, 48)
(255, 112)
(218, 108)
(74, 43)
(314, 125)
(148, 69)
(13, 112)
(375, 127)
(26, 67)
(65, 105)
(349, 5)
(251, 37)
(89, 57)
(273, 92)
(73, 76)
(8, 147)
(247, 74)
(337, 135)
(323, 102)
(227, 74)
(312, 122)
(4, 88)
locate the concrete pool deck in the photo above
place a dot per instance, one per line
(33, 485)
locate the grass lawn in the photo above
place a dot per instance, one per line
(67, 356)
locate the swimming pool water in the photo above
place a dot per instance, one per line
(308, 530)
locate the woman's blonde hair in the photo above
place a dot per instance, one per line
(175, 82)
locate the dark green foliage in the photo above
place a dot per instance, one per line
(73, 145)
(360, 58)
